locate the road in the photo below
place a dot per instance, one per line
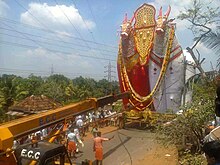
(130, 147)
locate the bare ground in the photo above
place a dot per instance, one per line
(150, 153)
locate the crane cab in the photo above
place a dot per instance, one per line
(44, 153)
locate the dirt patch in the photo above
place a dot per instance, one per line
(160, 155)
(151, 153)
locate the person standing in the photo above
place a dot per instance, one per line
(78, 139)
(71, 143)
(98, 147)
(80, 125)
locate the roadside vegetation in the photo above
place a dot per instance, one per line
(187, 130)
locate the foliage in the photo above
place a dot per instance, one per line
(187, 130)
(117, 106)
(212, 40)
(53, 90)
(189, 159)
(8, 90)
(204, 23)
(201, 15)
(58, 87)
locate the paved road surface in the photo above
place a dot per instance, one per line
(129, 147)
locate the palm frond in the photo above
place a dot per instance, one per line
(212, 40)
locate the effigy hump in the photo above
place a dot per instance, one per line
(144, 31)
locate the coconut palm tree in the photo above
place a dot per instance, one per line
(212, 41)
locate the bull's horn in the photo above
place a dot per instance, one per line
(125, 18)
(160, 12)
(168, 12)
(132, 18)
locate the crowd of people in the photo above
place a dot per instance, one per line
(77, 130)
(73, 132)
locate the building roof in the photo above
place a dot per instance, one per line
(32, 105)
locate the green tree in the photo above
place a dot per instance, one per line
(8, 90)
(204, 19)
(58, 78)
(115, 87)
(212, 41)
(53, 90)
(33, 84)
(86, 87)
(70, 92)
(104, 87)
(58, 87)
(55, 87)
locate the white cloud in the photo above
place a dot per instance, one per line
(45, 58)
(61, 33)
(3, 8)
(173, 2)
(188, 56)
(54, 17)
(39, 53)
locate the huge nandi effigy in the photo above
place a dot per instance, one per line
(150, 61)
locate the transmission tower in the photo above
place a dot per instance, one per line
(52, 70)
(109, 75)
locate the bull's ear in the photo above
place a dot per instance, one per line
(168, 12)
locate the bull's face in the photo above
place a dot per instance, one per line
(162, 21)
(125, 29)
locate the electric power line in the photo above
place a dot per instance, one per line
(36, 19)
(85, 22)
(93, 16)
(46, 29)
(50, 50)
(53, 32)
(53, 44)
(72, 24)
(15, 70)
(90, 32)
(54, 51)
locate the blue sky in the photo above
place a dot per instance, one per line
(73, 37)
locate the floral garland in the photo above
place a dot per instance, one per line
(125, 78)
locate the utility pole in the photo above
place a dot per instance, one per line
(184, 80)
(109, 72)
(197, 62)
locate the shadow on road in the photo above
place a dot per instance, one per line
(116, 147)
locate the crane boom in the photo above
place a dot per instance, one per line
(26, 125)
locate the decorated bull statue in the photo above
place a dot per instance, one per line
(150, 61)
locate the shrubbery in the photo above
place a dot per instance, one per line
(187, 130)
